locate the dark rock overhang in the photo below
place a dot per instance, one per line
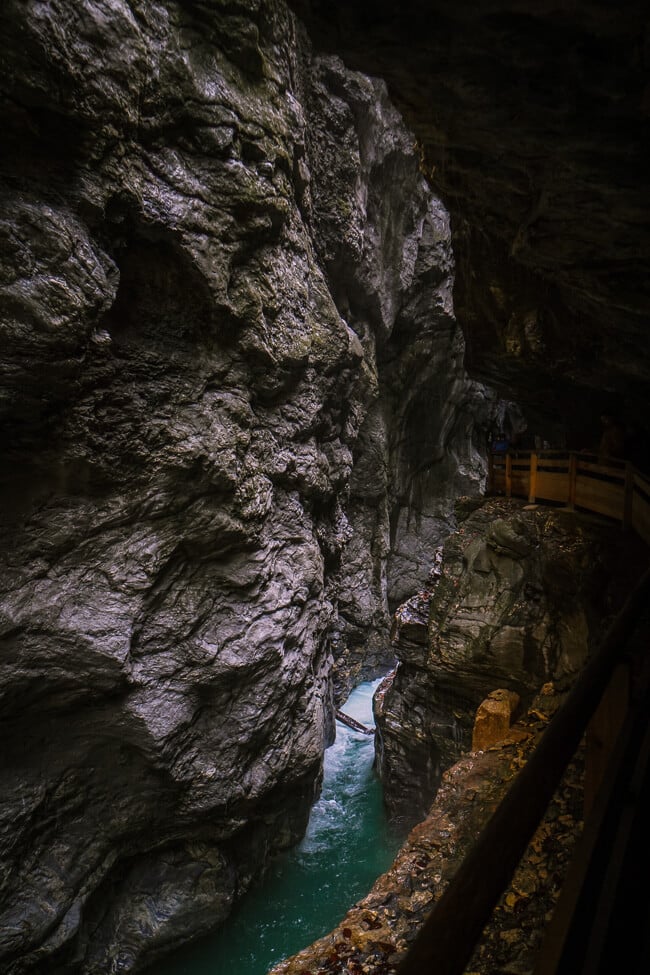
(533, 123)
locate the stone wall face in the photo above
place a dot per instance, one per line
(384, 243)
(226, 296)
(521, 596)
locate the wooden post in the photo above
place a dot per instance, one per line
(573, 473)
(532, 478)
(508, 475)
(628, 497)
(490, 483)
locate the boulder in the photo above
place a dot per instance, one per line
(493, 718)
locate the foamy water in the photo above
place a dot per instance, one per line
(348, 844)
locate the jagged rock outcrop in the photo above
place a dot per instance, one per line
(225, 293)
(522, 595)
(384, 242)
(493, 718)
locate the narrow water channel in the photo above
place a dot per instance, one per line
(348, 844)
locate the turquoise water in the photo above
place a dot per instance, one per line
(348, 844)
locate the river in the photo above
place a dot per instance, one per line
(348, 844)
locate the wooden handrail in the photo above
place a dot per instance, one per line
(612, 488)
(449, 935)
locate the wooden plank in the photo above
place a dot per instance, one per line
(552, 487)
(603, 484)
(603, 730)
(519, 484)
(600, 505)
(553, 465)
(642, 483)
(628, 496)
(641, 506)
(644, 533)
(353, 723)
(585, 894)
(532, 483)
(627, 863)
(641, 516)
(599, 488)
(573, 470)
(543, 456)
(615, 471)
(600, 496)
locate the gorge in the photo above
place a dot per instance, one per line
(348, 844)
(249, 366)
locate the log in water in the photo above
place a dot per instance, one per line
(348, 844)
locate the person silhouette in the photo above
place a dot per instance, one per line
(612, 441)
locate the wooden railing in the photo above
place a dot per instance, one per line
(447, 939)
(614, 489)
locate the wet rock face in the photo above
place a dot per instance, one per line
(225, 288)
(520, 598)
(384, 243)
(533, 123)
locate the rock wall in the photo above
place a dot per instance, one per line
(521, 595)
(231, 387)
(533, 123)
(384, 243)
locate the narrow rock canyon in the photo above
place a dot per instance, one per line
(261, 314)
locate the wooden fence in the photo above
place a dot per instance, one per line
(614, 489)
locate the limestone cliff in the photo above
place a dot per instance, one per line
(231, 388)
(384, 243)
